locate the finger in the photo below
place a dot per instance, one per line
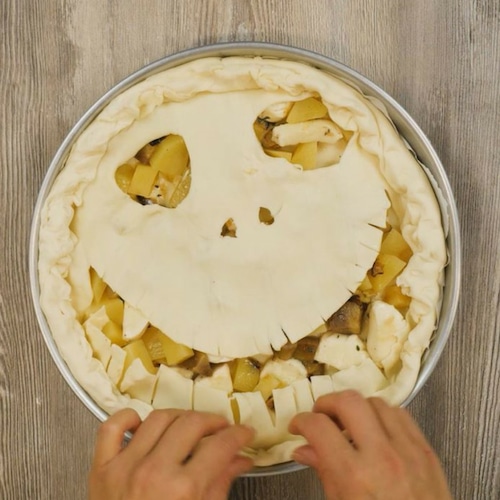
(215, 454)
(150, 432)
(356, 415)
(389, 419)
(182, 437)
(306, 455)
(393, 420)
(322, 434)
(111, 433)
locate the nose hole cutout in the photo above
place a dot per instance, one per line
(265, 216)
(229, 229)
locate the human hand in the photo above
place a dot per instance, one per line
(365, 449)
(173, 454)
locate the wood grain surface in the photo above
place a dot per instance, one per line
(439, 58)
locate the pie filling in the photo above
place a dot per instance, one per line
(160, 174)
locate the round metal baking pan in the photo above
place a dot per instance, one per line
(408, 129)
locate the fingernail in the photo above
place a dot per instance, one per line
(292, 426)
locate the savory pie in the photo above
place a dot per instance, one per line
(241, 235)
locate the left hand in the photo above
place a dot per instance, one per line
(173, 454)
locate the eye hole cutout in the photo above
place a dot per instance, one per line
(229, 229)
(302, 133)
(158, 174)
(265, 216)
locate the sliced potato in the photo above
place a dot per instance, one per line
(394, 296)
(365, 285)
(114, 310)
(134, 322)
(266, 386)
(137, 350)
(181, 190)
(171, 156)
(307, 109)
(387, 268)
(123, 176)
(152, 339)
(97, 284)
(246, 375)
(143, 181)
(175, 353)
(305, 155)
(108, 294)
(279, 153)
(236, 410)
(365, 290)
(394, 244)
(114, 333)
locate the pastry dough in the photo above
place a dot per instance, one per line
(244, 296)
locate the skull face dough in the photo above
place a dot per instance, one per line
(238, 297)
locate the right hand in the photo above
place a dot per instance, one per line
(364, 449)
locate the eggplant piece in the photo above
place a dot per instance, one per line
(198, 364)
(306, 349)
(314, 368)
(286, 352)
(348, 319)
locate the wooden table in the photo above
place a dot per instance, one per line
(439, 58)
